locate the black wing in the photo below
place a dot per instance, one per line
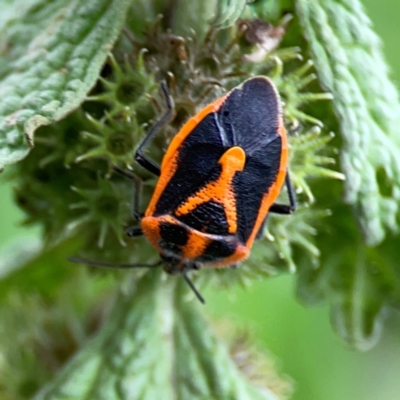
(250, 118)
(197, 164)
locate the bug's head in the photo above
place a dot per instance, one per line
(175, 265)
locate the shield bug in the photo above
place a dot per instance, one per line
(218, 180)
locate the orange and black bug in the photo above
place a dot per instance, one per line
(218, 180)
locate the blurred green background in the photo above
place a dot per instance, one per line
(300, 339)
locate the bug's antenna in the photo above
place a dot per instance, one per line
(111, 265)
(194, 289)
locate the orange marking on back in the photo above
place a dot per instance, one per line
(220, 191)
(150, 226)
(240, 254)
(196, 245)
(169, 163)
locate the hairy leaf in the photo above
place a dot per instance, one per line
(359, 282)
(228, 11)
(192, 16)
(349, 61)
(156, 345)
(51, 56)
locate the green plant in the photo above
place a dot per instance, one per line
(80, 82)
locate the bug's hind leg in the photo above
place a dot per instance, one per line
(285, 208)
(278, 208)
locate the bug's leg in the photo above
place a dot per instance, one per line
(137, 183)
(278, 208)
(145, 162)
(286, 208)
(133, 231)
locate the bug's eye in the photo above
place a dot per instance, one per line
(175, 234)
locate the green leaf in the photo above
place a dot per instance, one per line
(26, 267)
(357, 305)
(189, 16)
(359, 282)
(349, 61)
(38, 334)
(156, 345)
(228, 11)
(25, 247)
(51, 56)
